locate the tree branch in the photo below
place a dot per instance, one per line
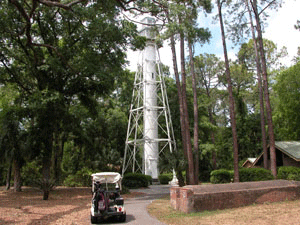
(27, 27)
(12, 75)
(21, 9)
(56, 51)
(60, 5)
(123, 3)
(259, 13)
(270, 3)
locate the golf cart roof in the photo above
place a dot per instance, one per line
(107, 177)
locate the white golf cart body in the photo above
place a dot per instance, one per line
(107, 202)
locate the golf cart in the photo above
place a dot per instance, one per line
(107, 201)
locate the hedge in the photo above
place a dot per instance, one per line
(221, 176)
(245, 174)
(149, 179)
(255, 174)
(135, 180)
(165, 178)
(289, 173)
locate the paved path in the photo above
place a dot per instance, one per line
(136, 208)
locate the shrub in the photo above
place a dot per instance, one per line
(293, 177)
(46, 185)
(125, 190)
(149, 179)
(165, 178)
(3, 174)
(82, 178)
(289, 173)
(220, 176)
(31, 174)
(135, 180)
(255, 174)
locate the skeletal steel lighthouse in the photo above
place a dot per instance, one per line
(150, 103)
(150, 130)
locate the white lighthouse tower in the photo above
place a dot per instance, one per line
(150, 101)
(150, 130)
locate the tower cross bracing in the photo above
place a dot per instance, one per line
(150, 131)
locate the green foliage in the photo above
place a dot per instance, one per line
(125, 190)
(246, 54)
(255, 174)
(294, 177)
(149, 179)
(82, 178)
(224, 148)
(249, 133)
(286, 104)
(71, 158)
(64, 60)
(46, 185)
(289, 173)
(246, 174)
(165, 178)
(31, 174)
(135, 180)
(205, 164)
(221, 176)
(3, 173)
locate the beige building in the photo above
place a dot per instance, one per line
(287, 154)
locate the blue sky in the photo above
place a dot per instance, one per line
(280, 30)
(215, 45)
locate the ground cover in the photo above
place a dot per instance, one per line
(279, 213)
(69, 206)
(65, 206)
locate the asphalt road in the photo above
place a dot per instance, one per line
(136, 208)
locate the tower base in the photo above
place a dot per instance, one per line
(174, 181)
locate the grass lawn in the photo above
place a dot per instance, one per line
(287, 212)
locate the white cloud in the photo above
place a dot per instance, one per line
(281, 28)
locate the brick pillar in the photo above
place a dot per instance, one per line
(186, 200)
(175, 197)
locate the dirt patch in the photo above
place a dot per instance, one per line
(287, 212)
(70, 206)
(65, 206)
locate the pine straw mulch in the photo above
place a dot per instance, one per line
(65, 206)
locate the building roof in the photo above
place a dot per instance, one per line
(291, 148)
(250, 160)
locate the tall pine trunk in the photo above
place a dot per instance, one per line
(231, 100)
(196, 117)
(261, 91)
(190, 158)
(179, 92)
(266, 90)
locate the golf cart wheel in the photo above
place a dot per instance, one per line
(122, 218)
(93, 219)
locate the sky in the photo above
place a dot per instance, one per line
(280, 30)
